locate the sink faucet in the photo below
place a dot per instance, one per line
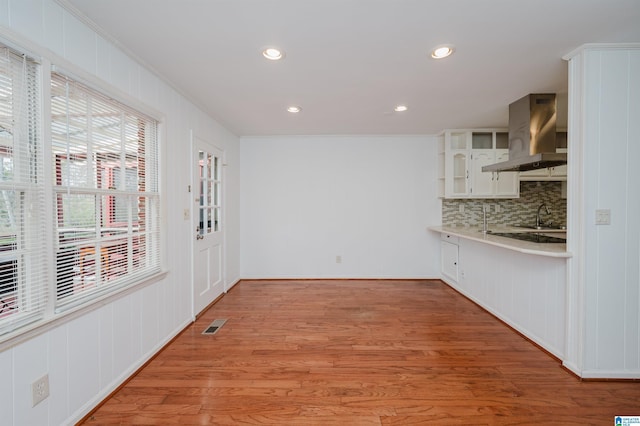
(547, 211)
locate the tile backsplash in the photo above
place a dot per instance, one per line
(516, 211)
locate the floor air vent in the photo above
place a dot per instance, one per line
(215, 326)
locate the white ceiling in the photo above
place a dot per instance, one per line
(349, 62)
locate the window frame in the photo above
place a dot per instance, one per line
(26, 301)
(129, 251)
(51, 317)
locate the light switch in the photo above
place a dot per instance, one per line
(603, 217)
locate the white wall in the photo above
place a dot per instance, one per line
(306, 200)
(89, 356)
(604, 280)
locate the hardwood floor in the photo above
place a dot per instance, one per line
(358, 352)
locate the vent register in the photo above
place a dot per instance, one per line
(215, 326)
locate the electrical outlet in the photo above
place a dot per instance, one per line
(186, 214)
(338, 259)
(40, 389)
(497, 208)
(461, 208)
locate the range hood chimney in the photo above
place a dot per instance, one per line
(532, 135)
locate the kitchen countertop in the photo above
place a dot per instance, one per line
(475, 234)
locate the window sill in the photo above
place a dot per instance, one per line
(32, 330)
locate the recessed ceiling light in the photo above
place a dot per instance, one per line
(400, 108)
(294, 109)
(441, 52)
(273, 54)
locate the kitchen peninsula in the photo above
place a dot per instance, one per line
(522, 283)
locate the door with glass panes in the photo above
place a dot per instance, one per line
(208, 235)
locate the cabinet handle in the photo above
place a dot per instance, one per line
(467, 174)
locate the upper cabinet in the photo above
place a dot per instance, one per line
(456, 164)
(461, 157)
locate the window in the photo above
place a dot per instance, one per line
(105, 168)
(22, 247)
(88, 226)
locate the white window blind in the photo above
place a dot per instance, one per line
(23, 256)
(105, 171)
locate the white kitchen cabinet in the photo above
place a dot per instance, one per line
(482, 154)
(534, 174)
(456, 160)
(507, 184)
(449, 258)
(557, 173)
(465, 153)
(482, 184)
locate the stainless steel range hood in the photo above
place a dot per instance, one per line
(532, 135)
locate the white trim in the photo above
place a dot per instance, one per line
(347, 135)
(572, 367)
(16, 42)
(601, 374)
(611, 374)
(192, 222)
(47, 164)
(333, 277)
(75, 12)
(161, 146)
(575, 314)
(599, 46)
(233, 284)
(223, 214)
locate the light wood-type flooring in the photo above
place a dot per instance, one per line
(358, 352)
